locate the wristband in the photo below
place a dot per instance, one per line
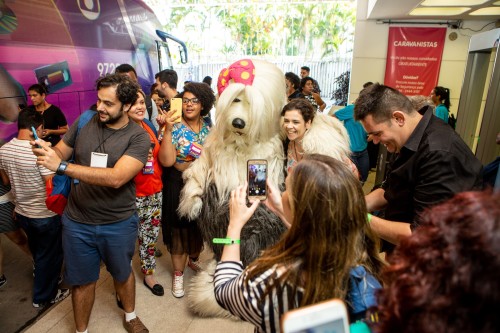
(226, 241)
(369, 217)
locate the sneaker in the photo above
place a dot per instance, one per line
(61, 294)
(3, 280)
(135, 326)
(194, 265)
(178, 285)
(39, 305)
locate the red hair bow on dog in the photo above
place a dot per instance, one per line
(242, 71)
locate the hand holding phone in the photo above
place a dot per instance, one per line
(176, 105)
(35, 136)
(257, 178)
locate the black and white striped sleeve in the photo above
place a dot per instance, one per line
(236, 296)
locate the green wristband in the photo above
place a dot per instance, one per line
(226, 241)
(369, 217)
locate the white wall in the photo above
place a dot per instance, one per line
(370, 52)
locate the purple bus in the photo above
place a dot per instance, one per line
(68, 44)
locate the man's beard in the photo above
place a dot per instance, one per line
(112, 119)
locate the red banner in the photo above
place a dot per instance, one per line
(413, 59)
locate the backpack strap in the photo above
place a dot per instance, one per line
(151, 126)
(84, 119)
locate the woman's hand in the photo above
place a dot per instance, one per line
(273, 201)
(168, 120)
(275, 204)
(239, 212)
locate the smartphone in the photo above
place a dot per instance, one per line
(257, 177)
(329, 316)
(176, 104)
(35, 135)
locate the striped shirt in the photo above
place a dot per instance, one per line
(248, 300)
(28, 186)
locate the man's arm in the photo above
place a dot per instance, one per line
(4, 177)
(123, 171)
(63, 150)
(390, 231)
(375, 200)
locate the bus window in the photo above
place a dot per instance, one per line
(164, 59)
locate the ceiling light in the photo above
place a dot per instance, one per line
(486, 11)
(453, 3)
(439, 11)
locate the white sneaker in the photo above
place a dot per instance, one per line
(61, 294)
(178, 285)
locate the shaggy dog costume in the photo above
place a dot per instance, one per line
(251, 97)
(247, 126)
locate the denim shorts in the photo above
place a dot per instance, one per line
(85, 245)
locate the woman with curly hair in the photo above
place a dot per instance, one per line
(184, 140)
(445, 277)
(328, 243)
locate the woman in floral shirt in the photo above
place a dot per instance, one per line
(184, 137)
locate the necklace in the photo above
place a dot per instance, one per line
(197, 134)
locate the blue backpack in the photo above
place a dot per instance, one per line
(363, 287)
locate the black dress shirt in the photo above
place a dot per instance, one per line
(432, 166)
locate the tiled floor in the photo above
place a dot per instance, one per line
(160, 314)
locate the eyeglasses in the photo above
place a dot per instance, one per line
(192, 100)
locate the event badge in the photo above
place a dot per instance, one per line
(195, 150)
(99, 160)
(149, 167)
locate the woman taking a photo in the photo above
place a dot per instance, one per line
(184, 137)
(328, 243)
(148, 185)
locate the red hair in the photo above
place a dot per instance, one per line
(446, 276)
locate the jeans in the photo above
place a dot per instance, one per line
(362, 162)
(44, 241)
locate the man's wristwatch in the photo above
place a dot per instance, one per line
(61, 169)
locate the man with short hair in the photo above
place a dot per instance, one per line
(432, 163)
(100, 221)
(42, 226)
(167, 84)
(304, 72)
(126, 69)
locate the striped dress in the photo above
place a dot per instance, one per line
(248, 300)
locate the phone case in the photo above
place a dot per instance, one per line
(257, 177)
(176, 104)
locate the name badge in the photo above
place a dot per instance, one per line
(99, 160)
(195, 149)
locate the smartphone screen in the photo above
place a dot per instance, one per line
(176, 104)
(257, 177)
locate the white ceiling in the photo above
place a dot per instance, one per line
(400, 9)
